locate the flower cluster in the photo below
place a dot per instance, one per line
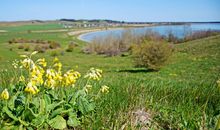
(39, 74)
(94, 74)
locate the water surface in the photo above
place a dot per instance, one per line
(178, 30)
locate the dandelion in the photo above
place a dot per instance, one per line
(104, 89)
(5, 94)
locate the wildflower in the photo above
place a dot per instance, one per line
(104, 89)
(58, 66)
(31, 88)
(34, 53)
(70, 77)
(88, 87)
(26, 63)
(22, 79)
(94, 74)
(15, 64)
(5, 94)
(55, 60)
(42, 62)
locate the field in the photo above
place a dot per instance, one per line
(183, 94)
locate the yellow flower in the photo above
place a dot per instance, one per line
(42, 62)
(55, 60)
(31, 89)
(5, 94)
(70, 77)
(58, 66)
(34, 53)
(88, 87)
(104, 89)
(94, 74)
(21, 79)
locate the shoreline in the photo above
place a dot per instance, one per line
(80, 33)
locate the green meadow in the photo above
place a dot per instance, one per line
(183, 94)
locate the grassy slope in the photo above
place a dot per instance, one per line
(182, 94)
(32, 27)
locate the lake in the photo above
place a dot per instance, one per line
(178, 30)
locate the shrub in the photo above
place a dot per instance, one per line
(39, 48)
(21, 46)
(71, 46)
(26, 47)
(53, 45)
(54, 53)
(151, 54)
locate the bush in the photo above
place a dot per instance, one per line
(40, 49)
(26, 47)
(71, 46)
(54, 53)
(21, 47)
(53, 45)
(151, 54)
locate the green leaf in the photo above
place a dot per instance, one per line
(42, 106)
(57, 123)
(39, 120)
(56, 112)
(9, 113)
(218, 124)
(73, 121)
(54, 105)
(11, 103)
(29, 114)
(85, 106)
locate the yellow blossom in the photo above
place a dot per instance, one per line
(104, 89)
(42, 62)
(34, 53)
(31, 88)
(22, 79)
(55, 60)
(94, 74)
(88, 87)
(5, 94)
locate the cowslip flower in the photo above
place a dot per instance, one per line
(88, 87)
(31, 88)
(5, 94)
(42, 62)
(21, 78)
(94, 74)
(70, 77)
(104, 89)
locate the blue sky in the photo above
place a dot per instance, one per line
(124, 10)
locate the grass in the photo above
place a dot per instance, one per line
(32, 27)
(183, 94)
